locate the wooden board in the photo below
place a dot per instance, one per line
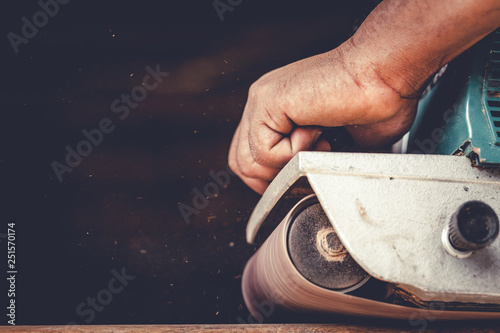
(279, 328)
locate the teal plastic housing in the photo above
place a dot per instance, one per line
(461, 114)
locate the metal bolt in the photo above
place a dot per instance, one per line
(329, 242)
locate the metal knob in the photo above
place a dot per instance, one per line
(473, 226)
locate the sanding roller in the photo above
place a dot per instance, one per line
(393, 235)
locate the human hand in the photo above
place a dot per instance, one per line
(370, 84)
(288, 107)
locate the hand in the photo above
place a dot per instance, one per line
(288, 107)
(370, 84)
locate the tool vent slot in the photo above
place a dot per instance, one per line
(492, 85)
(494, 103)
(495, 75)
(495, 47)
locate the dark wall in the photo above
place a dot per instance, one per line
(117, 212)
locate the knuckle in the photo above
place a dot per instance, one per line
(261, 157)
(262, 87)
(241, 166)
(254, 90)
(246, 170)
(256, 150)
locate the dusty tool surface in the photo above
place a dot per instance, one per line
(390, 211)
(396, 230)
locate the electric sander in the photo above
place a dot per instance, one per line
(410, 234)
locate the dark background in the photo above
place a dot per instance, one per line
(119, 208)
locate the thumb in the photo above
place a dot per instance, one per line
(304, 138)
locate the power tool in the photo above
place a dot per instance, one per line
(408, 234)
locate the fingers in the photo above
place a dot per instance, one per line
(322, 145)
(273, 149)
(241, 161)
(245, 163)
(258, 155)
(287, 108)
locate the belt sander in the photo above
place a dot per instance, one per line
(409, 234)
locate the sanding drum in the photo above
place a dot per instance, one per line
(304, 268)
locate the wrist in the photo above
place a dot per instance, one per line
(389, 67)
(370, 92)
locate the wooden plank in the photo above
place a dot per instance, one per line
(279, 328)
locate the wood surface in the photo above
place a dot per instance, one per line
(288, 328)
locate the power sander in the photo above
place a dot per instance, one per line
(409, 234)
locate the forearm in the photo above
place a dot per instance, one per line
(407, 41)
